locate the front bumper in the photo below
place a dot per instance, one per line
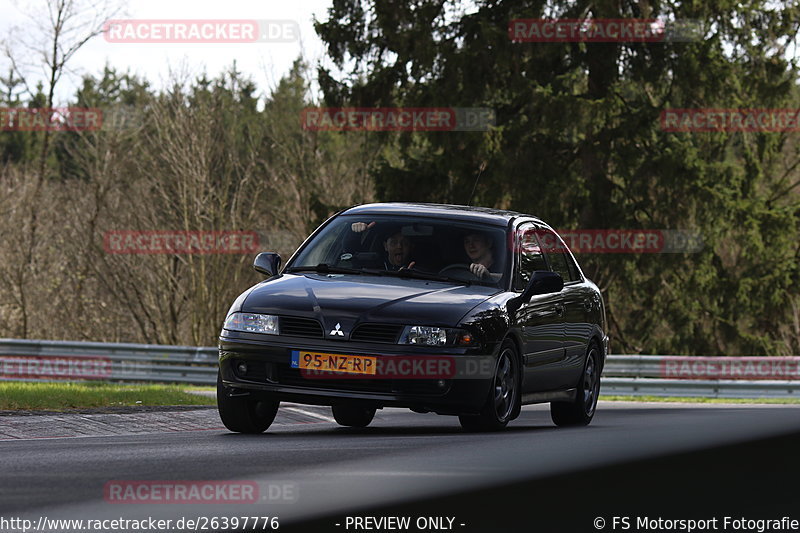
(269, 371)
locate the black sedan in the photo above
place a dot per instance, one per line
(454, 310)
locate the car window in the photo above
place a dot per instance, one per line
(574, 273)
(529, 256)
(327, 246)
(558, 263)
(556, 252)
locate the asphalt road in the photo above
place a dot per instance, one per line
(314, 474)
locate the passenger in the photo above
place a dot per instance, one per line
(398, 252)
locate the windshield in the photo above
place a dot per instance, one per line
(428, 248)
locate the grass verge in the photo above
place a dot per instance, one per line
(15, 395)
(691, 399)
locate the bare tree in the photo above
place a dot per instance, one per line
(46, 47)
(202, 158)
(56, 38)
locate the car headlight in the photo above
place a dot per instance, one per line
(436, 336)
(252, 323)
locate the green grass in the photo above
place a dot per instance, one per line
(66, 396)
(63, 396)
(699, 400)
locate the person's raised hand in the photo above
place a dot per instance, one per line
(358, 227)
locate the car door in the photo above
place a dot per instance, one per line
(577, 300)
(540, 320)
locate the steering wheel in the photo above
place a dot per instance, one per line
(459, 269)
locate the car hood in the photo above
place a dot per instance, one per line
(348, 299)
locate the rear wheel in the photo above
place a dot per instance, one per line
(353, 416)
(504, 396)
(242, 412)
(581, 411)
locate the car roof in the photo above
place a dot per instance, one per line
(486, 215)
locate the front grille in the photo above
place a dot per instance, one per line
(377, 333)
(300, 327)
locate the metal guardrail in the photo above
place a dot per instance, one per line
(709, 377)
(36, 360)
(635, 375)
(612, 386)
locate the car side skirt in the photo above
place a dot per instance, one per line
(568, 395)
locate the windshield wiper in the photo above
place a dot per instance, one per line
(324, 268)
(416, 274)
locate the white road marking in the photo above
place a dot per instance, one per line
(308, 413)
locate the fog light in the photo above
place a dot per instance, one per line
(242, 367)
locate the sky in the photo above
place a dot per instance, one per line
(264, 62)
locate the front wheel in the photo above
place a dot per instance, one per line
(353, 416)
(244, 413)
(504, 398)
(581, 411)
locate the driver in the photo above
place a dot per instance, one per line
(478, 247)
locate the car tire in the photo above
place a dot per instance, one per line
(245, 413)
(581, 411)
(353, 416)
(504, 395)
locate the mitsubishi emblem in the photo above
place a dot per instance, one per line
(337, 330)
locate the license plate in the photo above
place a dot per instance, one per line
(334, 362)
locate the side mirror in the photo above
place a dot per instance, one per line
(541, 282)
(267, 263)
